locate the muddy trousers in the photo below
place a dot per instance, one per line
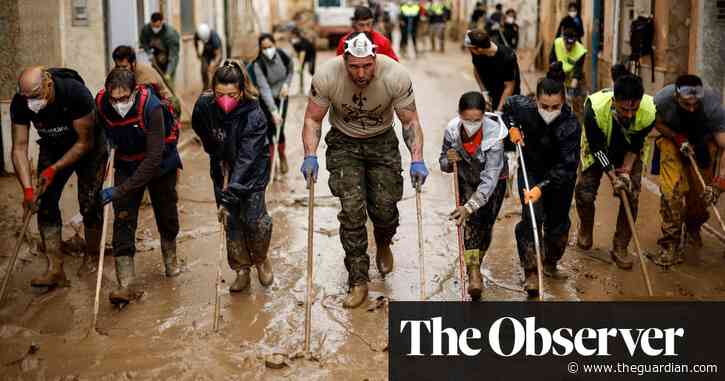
(90, 171)
(164, 199)
(249, 232)
(438, 34)
(365, 174)
(681, 201)
(478, 230)
(586, 195)
(552, 219)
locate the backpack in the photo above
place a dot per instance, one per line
(641, 40)
(64, 73)
(263, 66)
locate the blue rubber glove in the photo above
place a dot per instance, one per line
(108, 195)
(310, 165)
(418, 172)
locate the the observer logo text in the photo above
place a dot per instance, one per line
(524, 337)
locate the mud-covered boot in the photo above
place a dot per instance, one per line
(665, 257)
(54, 275)
(241, 262)
(584, 238)
(127, 290)
(171, 263)
(475, 281)
(89, 263)
(552, 271)
(356, 296)
(264, 272)
(384, 257)
(283, 167)
(621, 258)
(242, 281)
(531, 284)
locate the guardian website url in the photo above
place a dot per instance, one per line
(641, 369)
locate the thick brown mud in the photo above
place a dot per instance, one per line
(168, 333)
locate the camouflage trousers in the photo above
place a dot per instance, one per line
(681, 201)
(365, 174)
(478, 231)
(552, 219)
(586, 194)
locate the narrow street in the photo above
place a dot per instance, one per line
(168, 333)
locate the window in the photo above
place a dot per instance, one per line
(187, 17)
(329, 3)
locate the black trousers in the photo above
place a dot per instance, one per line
(552, 219)
(164, 199)
(271, 127)
(90, 170)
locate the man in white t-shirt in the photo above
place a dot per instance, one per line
(362, 90)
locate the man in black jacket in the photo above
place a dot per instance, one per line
(550, 136)
(233, 130)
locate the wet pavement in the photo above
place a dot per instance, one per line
(168, 333)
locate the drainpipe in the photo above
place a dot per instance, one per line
(617, 16)
(596, 47)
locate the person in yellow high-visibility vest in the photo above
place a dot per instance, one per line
(409, 19)
(572, 54)
(616, 125)
(691, 121)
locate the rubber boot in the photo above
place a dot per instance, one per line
(258, 246)
(239, 261)
(384, 257)
(475, 281)
(89, 263)
(127, 291)
(621, 258)
(531, 284)
(356, 296)
(54, 275)
(283, 167)
(241, 282)
(171, 263)
(552, 271)
(665, 257)
(584, 238)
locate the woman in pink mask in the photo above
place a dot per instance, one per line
(232, 127)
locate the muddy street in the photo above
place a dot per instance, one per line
(168, 332)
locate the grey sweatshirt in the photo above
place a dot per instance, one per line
(277, 76)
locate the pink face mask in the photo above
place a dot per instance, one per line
(227, 103)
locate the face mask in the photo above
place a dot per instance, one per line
(35, 105)
(572, 14)
(549, 116)
(510, 20)
(227, 103)
(156, 30)
(270, 52)
(122, 108)
(471, 127)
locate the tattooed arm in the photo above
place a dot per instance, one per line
(312, 130)
(412, 131)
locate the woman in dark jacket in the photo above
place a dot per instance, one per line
(233, 130)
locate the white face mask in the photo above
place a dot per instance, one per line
(122, 108)
(471, 127)
(572, 14)
(549, 116)
(35, 105)
(270, 52)
(510, 20)
(156, 30)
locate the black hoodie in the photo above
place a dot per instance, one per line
(237, 139)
